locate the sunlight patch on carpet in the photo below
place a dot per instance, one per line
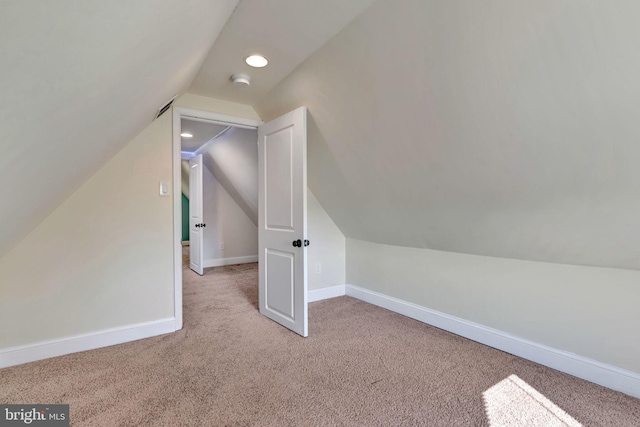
(513, 402)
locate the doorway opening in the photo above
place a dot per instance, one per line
(227, 149)
(280, 210)
(220, 187)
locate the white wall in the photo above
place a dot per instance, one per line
(79, 80)
(589, 311)
(233, 160)
(104, 257)
(226, 223)
(196, 102)
(327, 248)
(499, 128)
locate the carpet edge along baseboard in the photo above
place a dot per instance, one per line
(606, 375)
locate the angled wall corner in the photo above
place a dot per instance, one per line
(326, 254)
(458, 129)
(588, 311)
(227, 225)
(232, 158)
(507, 132)
(79, 83)
(93, 262)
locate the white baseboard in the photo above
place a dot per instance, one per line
(588, 369)
(207, 263)
(43, 350)
(326, 293)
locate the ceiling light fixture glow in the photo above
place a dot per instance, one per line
(257, 61)
(186, 135)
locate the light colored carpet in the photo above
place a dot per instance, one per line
(360, 366)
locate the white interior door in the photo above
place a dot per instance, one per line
(282, 219)
(196, 226)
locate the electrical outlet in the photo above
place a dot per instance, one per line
(222, 245)
(318, 268)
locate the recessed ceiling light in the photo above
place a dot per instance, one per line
(257, 61)
(186, 135)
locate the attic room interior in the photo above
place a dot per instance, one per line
(417, 212)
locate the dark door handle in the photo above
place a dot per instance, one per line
(298, 243)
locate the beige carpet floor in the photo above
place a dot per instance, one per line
(360, 366)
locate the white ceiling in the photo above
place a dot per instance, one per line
(79, 79)
(92, 75)
(202, 133)
(285, 31)
(497, 128)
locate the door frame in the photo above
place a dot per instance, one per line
(178, 114)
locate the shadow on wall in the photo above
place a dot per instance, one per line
(483, 142)
(233, 160)
(325, 176)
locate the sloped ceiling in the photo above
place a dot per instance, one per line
(285, 31)
(78, 81)
(202, 133)
(500, 128)
(231, 155)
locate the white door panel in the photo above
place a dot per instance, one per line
(282, 148)
(196, 230)
(279, 180)
(280, 283)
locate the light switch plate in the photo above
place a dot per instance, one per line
(164, 189)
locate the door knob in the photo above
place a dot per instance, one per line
(298, 243)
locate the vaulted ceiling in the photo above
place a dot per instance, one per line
(500, 128)
(201, 132)
(80, 79)
(285, 31)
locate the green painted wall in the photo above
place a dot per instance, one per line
(185, 218)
